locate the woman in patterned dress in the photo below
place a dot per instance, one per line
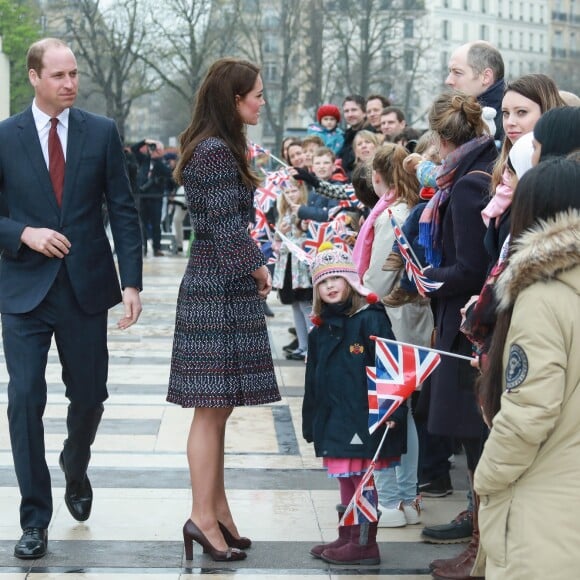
(221, 355)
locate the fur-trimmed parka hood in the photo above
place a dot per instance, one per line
(547, 251)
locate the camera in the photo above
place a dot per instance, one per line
(151, 146)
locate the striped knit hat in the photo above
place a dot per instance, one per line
(331, 261)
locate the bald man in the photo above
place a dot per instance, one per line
(477, 69)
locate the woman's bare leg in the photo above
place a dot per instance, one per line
(205, 454)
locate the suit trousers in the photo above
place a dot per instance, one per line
(81, 341)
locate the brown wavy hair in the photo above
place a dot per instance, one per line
(540, 89)
(388, 163)
(215, 115)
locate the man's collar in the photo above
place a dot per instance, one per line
(41, 119)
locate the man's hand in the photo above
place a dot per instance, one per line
(132, 304)
(45, 241)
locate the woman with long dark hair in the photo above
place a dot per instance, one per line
(527, 477)
(221, 355)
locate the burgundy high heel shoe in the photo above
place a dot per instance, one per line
(240, 543)
(191, 533)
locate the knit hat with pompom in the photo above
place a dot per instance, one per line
(331, 261)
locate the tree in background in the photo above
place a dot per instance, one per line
(184, 37)
(109, 41)
(19, 28)
(272, 35)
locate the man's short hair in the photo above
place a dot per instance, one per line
(384, 100)
(396, 110)
(482, 55)
(35, 54)
(354, 98)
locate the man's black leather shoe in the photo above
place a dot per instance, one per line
(32, 544)
(78, 496)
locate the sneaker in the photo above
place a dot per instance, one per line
(392, 517)
(457, 531)
(439, 487)
(400, 297)
(412, 511)
(393, 263)
(296, 355)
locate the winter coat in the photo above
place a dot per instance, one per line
(528, 474)
(452, 407)
(412, 322)
(333, 139)
(300, 272)
(317, 207)
(335, 408)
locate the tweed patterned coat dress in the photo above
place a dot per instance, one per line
(221, 354)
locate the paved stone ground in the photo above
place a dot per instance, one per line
(279, 494)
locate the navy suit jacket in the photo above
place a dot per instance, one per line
(95, 172)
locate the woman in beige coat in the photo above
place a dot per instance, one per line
(528, 477)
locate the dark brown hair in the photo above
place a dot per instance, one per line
(216, 115)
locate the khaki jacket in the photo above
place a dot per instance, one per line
(528, 477)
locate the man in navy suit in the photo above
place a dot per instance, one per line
(58, 277)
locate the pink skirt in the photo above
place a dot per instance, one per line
(356, 466)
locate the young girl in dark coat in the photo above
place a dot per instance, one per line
(335, 409)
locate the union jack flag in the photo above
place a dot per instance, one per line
(256, 150)
(261, 228)
(265, 198)
(413, 269)
(295, 249)
(362, 507)
(318, 232)
(399, 370)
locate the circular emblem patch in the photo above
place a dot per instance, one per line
(517, 367)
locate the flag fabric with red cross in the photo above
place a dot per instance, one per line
(362, 508)
(413, 268)
(256, 150)
(399, 370)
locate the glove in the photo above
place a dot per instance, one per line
(306, 176)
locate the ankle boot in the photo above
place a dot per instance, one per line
(343, 536)
(459, 568)
(362, 548)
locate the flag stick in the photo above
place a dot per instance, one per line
(277, 159)
(443, 352)
(408, 243)
(380, 444)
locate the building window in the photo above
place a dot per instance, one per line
(500, 38)
(465, 4)
(446, 29)
(531, 42)
(521, 40)
(408, 28)
(270, 44)
(271, 72)
(483, 6)
(409, 59)
(521, 10)
(483, 32)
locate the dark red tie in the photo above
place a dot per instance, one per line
(55, 161)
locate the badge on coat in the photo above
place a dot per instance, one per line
(517, 367)
(357, 348)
